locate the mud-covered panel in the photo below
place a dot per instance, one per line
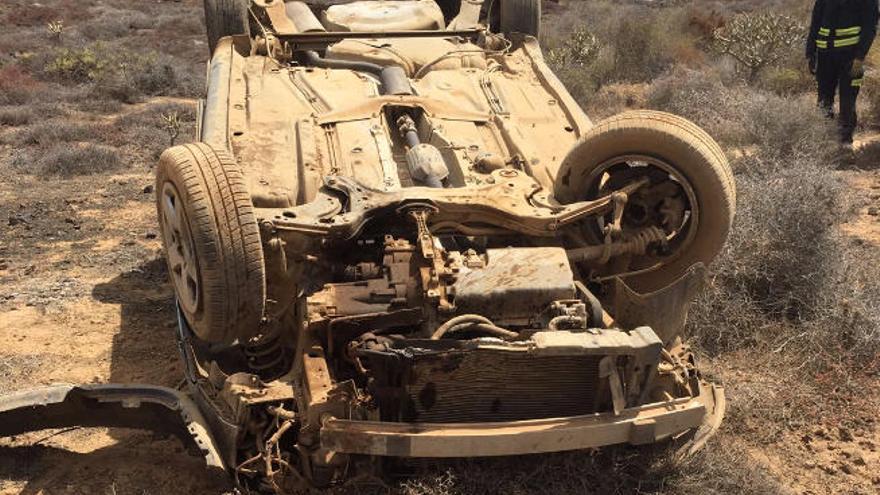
(516, 284)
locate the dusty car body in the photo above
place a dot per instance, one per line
(399, 236)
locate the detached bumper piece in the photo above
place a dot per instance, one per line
(142, 407)
(635, 426)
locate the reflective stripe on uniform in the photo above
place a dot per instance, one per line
(850, 31)
(821, 44)
(856, 83)
(824, 31)
(846, 42)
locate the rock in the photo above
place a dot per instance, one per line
(846, 468)
(148, 189)
(150, 235)
(18, 218)
(873, 211)
(845, 434)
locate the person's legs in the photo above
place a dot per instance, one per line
(827, 75)
(849, 92)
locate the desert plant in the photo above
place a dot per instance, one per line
(171, 124)
(757, 40)
(55, 29)
(77, 65)
(579, 50)
(118, 74)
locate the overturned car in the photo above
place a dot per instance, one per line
(399, 236)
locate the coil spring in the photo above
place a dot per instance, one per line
(265, 355)
(639, 243)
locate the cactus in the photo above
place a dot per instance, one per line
(758, 40)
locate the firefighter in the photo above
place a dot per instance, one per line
(841, 33)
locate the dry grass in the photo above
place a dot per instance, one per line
(15, 116)
(67, 160)
(646, 470)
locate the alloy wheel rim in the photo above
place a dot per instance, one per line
(179, 249)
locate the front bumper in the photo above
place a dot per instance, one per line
(145, 407)
(635, 426)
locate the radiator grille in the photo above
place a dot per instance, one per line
(489, 385)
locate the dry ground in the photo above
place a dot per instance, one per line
(84, 298)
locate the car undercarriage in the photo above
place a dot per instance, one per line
(398, 236)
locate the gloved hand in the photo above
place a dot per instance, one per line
(811, 63)
(858, 68)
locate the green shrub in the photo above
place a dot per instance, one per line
(78, 65)
(116, 74)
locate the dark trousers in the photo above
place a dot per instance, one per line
(833, 73)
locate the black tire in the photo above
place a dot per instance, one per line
(521, 16)
(225, 18)
(683, 146)
(212, 242)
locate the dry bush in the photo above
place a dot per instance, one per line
(785, 270)
(870, 95)
(780, 261)
(113, 73)
(147, 127)
(647, 470)
(612, 99)
(702, 97)
(15, 116)
(112, 23)
(741, 116)
(786, 81)
(67, 160)
(54, 131)
(31, 15)
(16, 85)
(602, 42)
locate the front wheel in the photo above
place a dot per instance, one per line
(689, 200)
(212, 242)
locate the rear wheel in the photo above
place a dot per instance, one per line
(688, 203)
(520, 16)
(212, 242)
(225, 18)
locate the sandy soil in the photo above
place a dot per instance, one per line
(84, 299)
